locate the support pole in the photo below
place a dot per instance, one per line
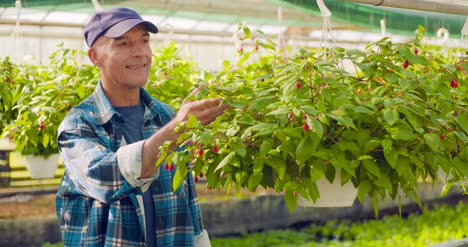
(456, 7)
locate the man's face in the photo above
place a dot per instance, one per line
(124, 62)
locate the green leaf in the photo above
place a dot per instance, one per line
(291, 200)
(363, 109)
(280, 111)
(391, 156)
(258, 165)
(192, 122)
(401, 132)
(363, 189)
(317, 127)
(179, 178)
(239, 148)
(317, 170)
(45, 140)
(370, 145)
(266, 146)
(391, 116)
(371, 167)
(403, 168)
(343, 120)
(384, 181)
(306, 148)
(461, 136)
(254, 181)
(462, 120)
(225, 161)
(415, 160)
(461, 166)
(310, 110)
(278, 165)
(446, 189)
(433, 141)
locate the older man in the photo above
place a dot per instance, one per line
(111, 193)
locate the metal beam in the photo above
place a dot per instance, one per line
(455, 7)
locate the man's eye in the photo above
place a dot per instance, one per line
(123, 43)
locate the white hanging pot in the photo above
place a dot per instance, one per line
(40, 167)
(331, 194)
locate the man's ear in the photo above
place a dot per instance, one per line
(92, 55)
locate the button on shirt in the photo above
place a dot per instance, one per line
(99, 201)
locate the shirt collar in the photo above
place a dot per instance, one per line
(104, 111)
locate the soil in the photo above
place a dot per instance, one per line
(31, 203)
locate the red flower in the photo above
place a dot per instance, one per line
(171, 168)
(41, 126)
(306, 127)
(166, 167)
(201, 175)
(195, 179)
(405, 64)
(291, 117)
(442, 137)
(454, 83)
(298, 85)
(200, 152)
(416, 51)
(215, 149)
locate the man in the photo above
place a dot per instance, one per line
(111, 193)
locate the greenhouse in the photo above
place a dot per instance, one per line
(234, 123)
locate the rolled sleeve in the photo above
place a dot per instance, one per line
(129, 158)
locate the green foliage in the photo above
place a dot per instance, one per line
(171, 77)
(395, 117)
(441, 224)
(43, 96)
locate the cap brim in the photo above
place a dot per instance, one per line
(124, 26)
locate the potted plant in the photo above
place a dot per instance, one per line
(398, 119)
(48, 94)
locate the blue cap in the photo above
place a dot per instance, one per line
(114, 23)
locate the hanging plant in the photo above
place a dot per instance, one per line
(398, 117)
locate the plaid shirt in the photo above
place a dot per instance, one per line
(99, 201)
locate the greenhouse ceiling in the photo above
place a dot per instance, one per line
(224, 15)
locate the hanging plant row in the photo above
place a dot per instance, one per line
(396, 116)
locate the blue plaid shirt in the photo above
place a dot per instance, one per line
(99, 201)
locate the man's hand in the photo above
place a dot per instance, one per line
(206, 111)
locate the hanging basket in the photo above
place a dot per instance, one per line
(331, 194)
(40, 167)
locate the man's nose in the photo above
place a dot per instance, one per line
(138, 50)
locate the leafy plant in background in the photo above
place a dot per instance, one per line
(10, 87)
(49, 92)
(398, 117)
(171, 77)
